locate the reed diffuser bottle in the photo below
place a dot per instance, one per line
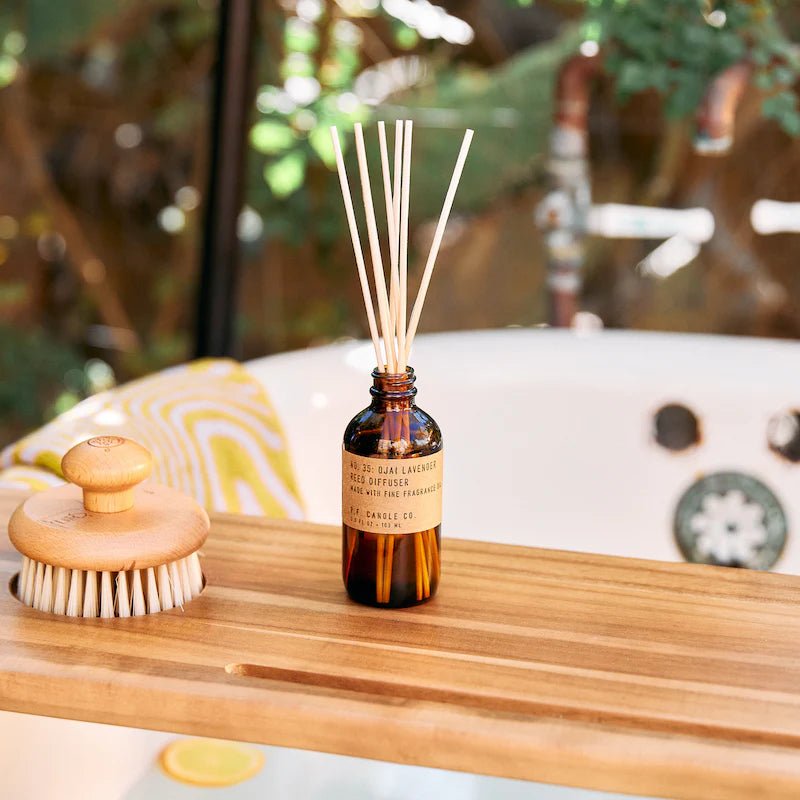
(392, 497)
(392, 453)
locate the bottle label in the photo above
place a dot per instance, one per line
(392, 495)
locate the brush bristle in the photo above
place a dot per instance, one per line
(123, 598)
(60, 599)
(86, 593)
(106, 596)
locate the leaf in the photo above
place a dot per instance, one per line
(779, 104)
(285, 177)
(320, 141)
(300, 37)
(764, 80)
(405, 38)
(791, 123)
(761, 56)
(683, 100)
(176, 117)
(8, 70)
(55, 29)
(633, 77)
(298, 65)
(784, 75)
(271, 137)
(731, 46)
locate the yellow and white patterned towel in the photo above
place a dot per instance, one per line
(209, 425)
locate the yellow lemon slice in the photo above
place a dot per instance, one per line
(210, 762)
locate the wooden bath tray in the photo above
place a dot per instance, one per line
(617, 674)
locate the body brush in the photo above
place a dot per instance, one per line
(103, 546)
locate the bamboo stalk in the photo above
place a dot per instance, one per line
(375, 248)
(436, 244)
(356, 239)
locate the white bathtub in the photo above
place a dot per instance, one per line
(549, 442)
(549, 434)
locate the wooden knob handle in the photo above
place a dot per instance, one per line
(107, 468)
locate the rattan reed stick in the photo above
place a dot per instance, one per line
(357, 251)
(436, 244)
(405, 194)
(391, 224)
(375, 248)
(396, 193)
(434, 552)
(387, 572)
(380, 544)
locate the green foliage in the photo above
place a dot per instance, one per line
(677, 47)
(309, 69)
(55, 27)
(271, 136)
(285, 176)
(510, 110)
(40, 377)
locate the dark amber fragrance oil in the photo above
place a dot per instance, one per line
(392, 498)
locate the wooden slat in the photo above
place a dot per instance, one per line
(617, 674)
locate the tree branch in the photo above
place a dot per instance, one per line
(23, 141)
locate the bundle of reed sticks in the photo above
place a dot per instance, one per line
(394, 339)
(397, 330)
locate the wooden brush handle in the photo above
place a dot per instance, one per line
(107, 468)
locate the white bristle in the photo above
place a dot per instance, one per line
(175, 582)
(186, 584)
(153, 606)
(123, 598)
(23, 576)
(60, 593)
(90, 605)
(164, 590)
(46, 598)
(87, 593)
(30, 582)
(106, 596)
(30, 589)
(195, 573)
(75, 599)
(37, 586)
(139, 607)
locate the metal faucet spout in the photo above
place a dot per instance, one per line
(572, 94)
(717, 111)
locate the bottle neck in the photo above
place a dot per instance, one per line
(393, 391)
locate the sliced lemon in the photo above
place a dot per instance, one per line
(210, 762)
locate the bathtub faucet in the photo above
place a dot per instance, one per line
(717, 112)
(772, 216)
(566, 214)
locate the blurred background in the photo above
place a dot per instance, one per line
(112, 132)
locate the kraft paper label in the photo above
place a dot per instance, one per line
(392, 495)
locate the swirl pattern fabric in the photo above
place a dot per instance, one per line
(211, 429)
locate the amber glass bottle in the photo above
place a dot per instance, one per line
(392, 498)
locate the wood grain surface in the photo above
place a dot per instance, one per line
(618, 674)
